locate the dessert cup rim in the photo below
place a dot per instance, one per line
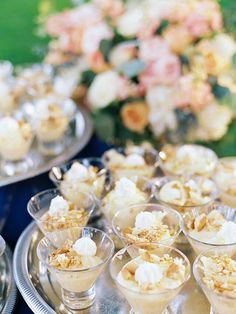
(162, 208)
(45, 238)
(70, 163)
(163, 291)
(215, 245)
(2, 245)
(198, 279)
(58, 192)
(162, 163)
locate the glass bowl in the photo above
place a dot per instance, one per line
(77, 286)
(203, 158)
(201, 246)
(220, 303)
(143, 302)
(125, 218)
(2, 245)
(118, 171)
(39, 204)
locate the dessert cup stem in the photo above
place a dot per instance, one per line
(78, 300)
(11, 168)
(53, 147)
(212, 311)
(164, 312)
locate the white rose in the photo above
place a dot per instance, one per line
(104, 89)
(160, 101)
(215, 127)
(225, 46)
(131, 21)
(121, 54)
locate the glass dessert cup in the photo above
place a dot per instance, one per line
(226, 184)
(125, 218)
(143, 302)
(77, 286)
(150, 157)
(201, 246)
(55, 131)
(98, 185)
(39, 205)
(2, 245)
(189, 166)
(220, 303)
(158, 184)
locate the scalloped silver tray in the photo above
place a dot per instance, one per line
(82, 135)
(7, 287)
(42, 293)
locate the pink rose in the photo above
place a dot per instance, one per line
(70, 41)
(110, 8)
(165, 70)
(193, 92)
(86, 14)
(148, 30)
(153, 49)
(58, 23)
(93, 36)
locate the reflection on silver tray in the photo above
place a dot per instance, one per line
(42, 293)
(7, 286)
(83, 132)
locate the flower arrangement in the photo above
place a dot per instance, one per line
(152, 69)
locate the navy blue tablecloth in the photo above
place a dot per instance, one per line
(13, 202)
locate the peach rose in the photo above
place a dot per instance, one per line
(152, 49)
(177, 37)
(193, 92)
(165, 70)
(93, 36)
(70, 41)
(135, 116)
(97, 63)
(121, 54)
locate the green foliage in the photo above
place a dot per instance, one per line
(87, 77)
(104, 124)
(105, 48)
(234, 61)
(162, 27)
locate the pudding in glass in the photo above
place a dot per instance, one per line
(147, 223)
(183, 194)
(76, 257)
(188, 160)
(149, 278)
(53, 213)
(215, 272)
(124, 194)
(211, 227)
(225, 178)
(132, 161)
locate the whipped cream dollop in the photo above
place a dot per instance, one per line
(227, 233)
(58, 206)
(125, 187)
(172, 191)
(77, 172)
(148, 274)
(145, 220)
(134, 160)
(8, 127)
(186, 152)
(85, 247)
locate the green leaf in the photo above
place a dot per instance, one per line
(230, 100)
(164, 24)
(87, 77)
(105, 48)
(234, 60)
(132, 68)
(220, 91)
(104, 125)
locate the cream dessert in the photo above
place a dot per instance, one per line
(62, 214)
(217, 276)
(148, 227)
(50, 121)
(8, 98)
(15, 138)
(193, 192)
(77, 256)
(225, 178)
(149, 282)
(208, 229)
(128, 165)
(188, 160)
(124, 194)
(81, 178)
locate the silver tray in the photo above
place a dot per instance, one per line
(7, 287)
(42, 293)
(82, 135)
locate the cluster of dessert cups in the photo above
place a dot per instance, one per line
(149, 270)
